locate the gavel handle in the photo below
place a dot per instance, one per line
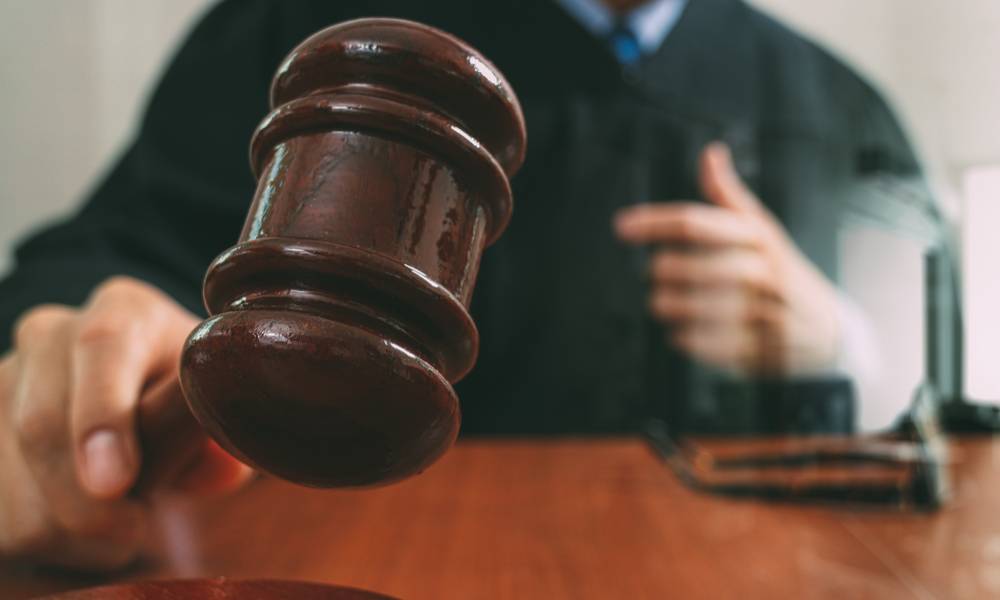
(169, 436)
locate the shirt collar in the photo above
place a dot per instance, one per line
(650, 22)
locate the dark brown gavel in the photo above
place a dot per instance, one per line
(340, 320)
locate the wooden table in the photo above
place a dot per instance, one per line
(575, 519)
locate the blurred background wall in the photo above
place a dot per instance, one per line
(75, 74)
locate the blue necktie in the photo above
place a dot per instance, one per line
(624, 44)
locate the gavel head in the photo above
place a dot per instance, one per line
(340, 319)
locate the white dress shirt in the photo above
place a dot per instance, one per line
(651, 22)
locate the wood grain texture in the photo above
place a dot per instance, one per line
(218, 589)
(599, 518)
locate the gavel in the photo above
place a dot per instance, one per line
(340, 320)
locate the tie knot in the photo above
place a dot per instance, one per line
(624, 44)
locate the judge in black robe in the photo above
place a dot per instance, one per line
(566, 341)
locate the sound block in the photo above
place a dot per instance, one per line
(220, 589)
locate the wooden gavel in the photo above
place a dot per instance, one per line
(340, 320)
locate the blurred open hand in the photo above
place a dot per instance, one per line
(69, 449)
(735, 290)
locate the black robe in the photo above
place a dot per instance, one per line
(566, 345)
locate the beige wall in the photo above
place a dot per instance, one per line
(74, 74)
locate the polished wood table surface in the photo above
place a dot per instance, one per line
(573, 518)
